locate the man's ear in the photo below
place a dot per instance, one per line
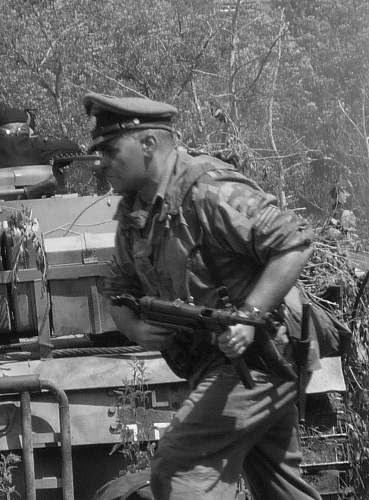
(149, 144)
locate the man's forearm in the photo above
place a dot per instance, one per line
(277, 278)
(152, 337)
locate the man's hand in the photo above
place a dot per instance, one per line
(151, 337)
(235, 340)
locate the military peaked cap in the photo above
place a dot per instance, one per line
(116, 115)
(11, 115)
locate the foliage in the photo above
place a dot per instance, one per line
(132, 408)
(282, 87)
(333, 264)
(23, 239)
(7, 465)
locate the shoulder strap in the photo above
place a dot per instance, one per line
(222, 290)
(193, 174)
(192, 169)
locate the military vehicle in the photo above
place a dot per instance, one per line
(58, 342)
(75, 397)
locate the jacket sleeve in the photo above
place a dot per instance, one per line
(241, 218)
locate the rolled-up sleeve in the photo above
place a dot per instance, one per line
(241, 218)
(122, 277)
(276, 231)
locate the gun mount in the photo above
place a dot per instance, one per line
(39, 181)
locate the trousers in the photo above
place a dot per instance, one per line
(223, 430)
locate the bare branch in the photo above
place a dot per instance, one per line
(48, 53)
(55, 42)
(179, 24)
(264, 61)
(58, 102)
(279, 156)
(216, 96)
(363, 114)
(195, 62)
(246, 63)
(79, 86)
(282, 182)
(41, 24)
(357, 128)
(205, 73)
(34, 71)
(197, 105)
(58, 77)
(120, 84)
(140, 80)
(233, 63)
(312, 203)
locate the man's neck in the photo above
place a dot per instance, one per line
(161, 169)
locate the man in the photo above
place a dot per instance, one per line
(196, 229)
(19, 147)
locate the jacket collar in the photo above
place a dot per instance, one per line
(131, 211)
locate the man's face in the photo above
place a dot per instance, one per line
(124, 163)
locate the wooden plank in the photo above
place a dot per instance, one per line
(49, 483)
(42, 306)
(58, 272)
(24, 308)
(95, 306)
(70, 303)
(45, 439)
(5, 324)
(339, 465)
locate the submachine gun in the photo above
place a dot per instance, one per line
(181, 316)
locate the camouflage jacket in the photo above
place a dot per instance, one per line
(205, 212)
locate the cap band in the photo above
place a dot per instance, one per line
(135, 124)
(118, 115)
(109, 133)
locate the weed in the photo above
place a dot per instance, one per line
(134, 420)
(7, 464)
